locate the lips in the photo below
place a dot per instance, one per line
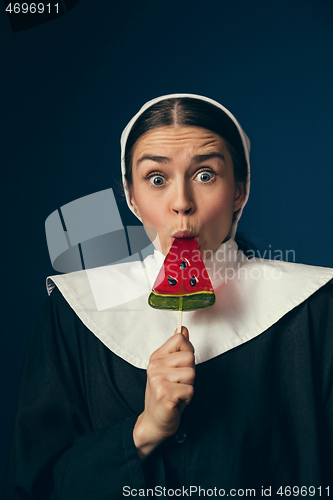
(187, 234)
(184, 234)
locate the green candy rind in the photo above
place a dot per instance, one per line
(190, 302)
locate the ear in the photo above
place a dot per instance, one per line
(134, 204)
(239, 195)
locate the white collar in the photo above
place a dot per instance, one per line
(251, 295)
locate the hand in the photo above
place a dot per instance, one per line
(170, 379)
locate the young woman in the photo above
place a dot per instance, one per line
(113, 404)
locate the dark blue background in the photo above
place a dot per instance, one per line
(69, 86)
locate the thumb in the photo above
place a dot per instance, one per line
(184, 332)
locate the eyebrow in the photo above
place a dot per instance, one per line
(195, 159)
(157, 159)
(201, 158)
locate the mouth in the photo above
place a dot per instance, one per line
(186, 234)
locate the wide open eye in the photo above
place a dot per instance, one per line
(157, 180)
(205, 176)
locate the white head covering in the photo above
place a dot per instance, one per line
(243, 136)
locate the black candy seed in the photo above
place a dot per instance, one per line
(182, 265)
(193, 281)
(172, 281)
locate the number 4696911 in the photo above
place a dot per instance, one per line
(33, 8)
(303, 491)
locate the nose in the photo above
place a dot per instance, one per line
(182, 200)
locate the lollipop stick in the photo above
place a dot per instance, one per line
(180, 315)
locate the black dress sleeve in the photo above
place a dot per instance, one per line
(73, 429)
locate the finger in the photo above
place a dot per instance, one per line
(184, 332)
(178, 342)
(177, 359)
(170, 395)
(157, 376)
(181, 375)
(182, 394)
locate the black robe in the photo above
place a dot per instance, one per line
(261, 415)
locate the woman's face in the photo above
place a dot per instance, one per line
(184, 186)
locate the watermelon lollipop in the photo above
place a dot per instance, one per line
(183, 283)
